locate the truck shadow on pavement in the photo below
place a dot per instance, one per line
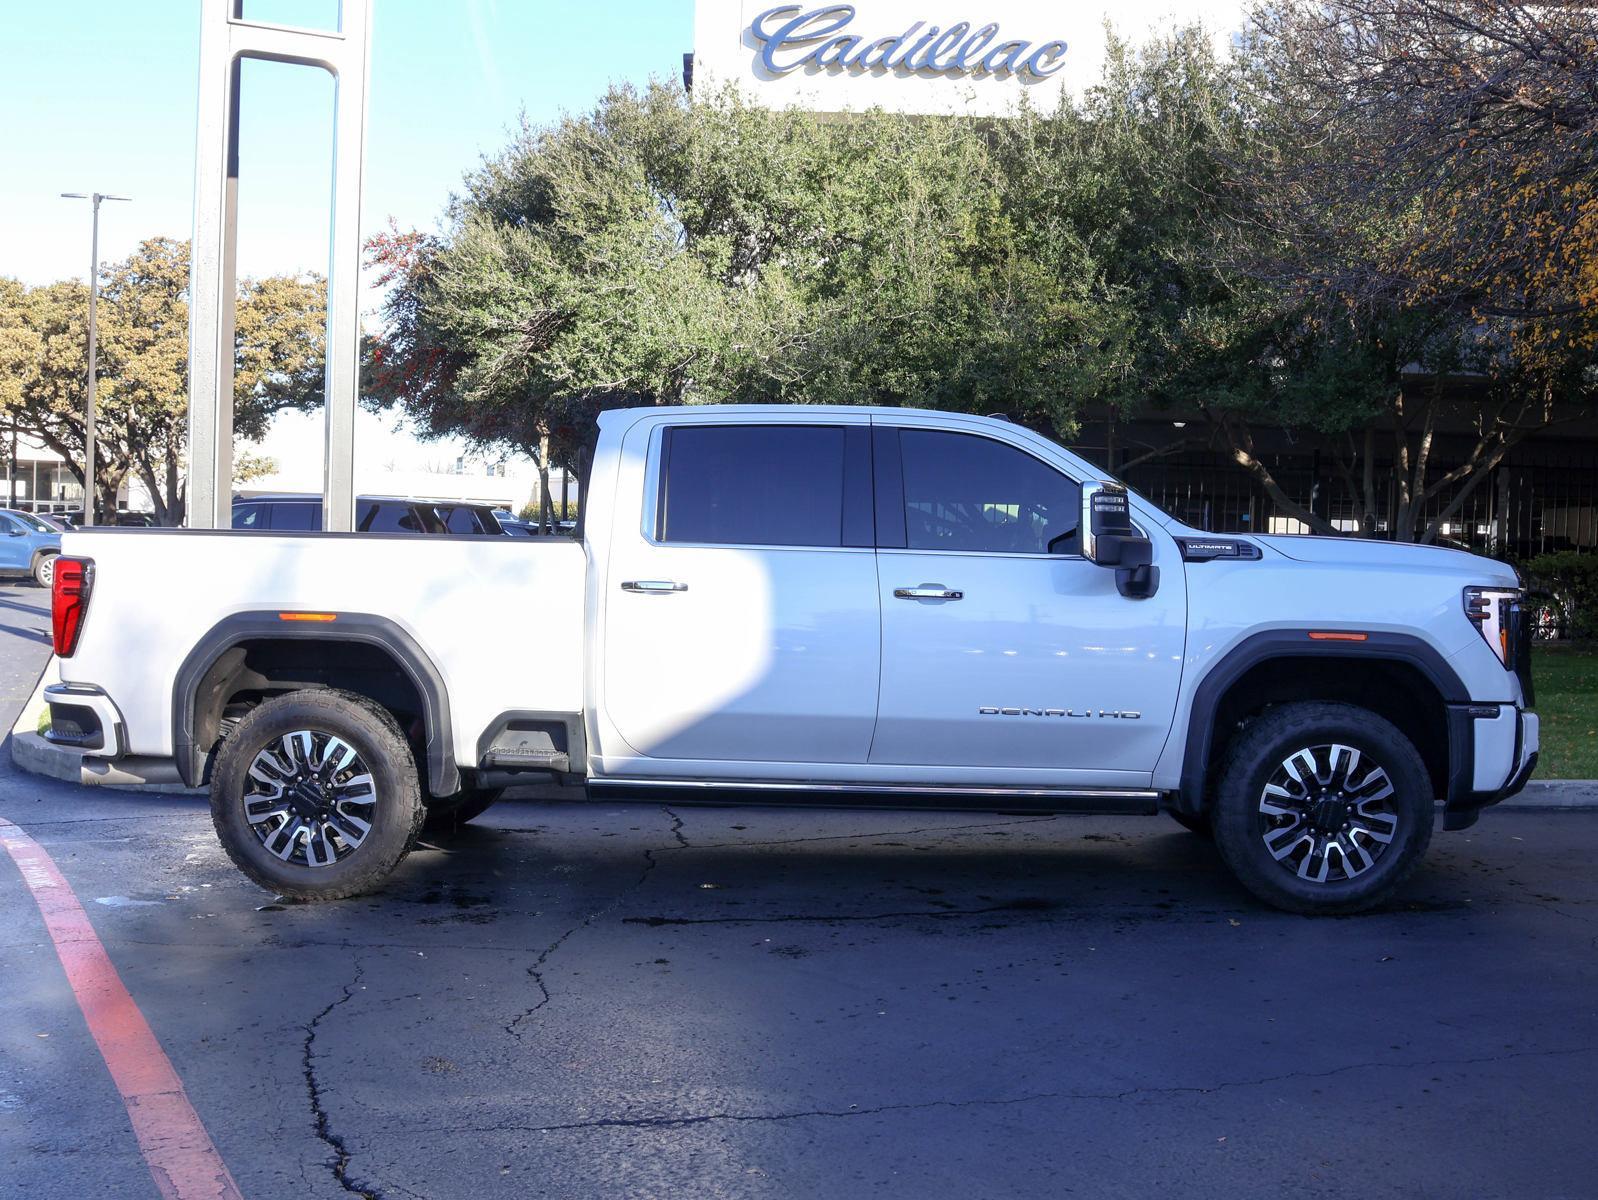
(989, 872)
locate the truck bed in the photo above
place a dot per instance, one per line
(500, 618)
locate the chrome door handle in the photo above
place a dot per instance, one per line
(927, 593)
(653, 585)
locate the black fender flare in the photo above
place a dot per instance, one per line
(366, 628)
(1297, 643)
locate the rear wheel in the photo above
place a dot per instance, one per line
(1323, 808)
(44, 570)
(315, 795)
(465, 805)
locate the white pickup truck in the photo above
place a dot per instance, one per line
(820, 606)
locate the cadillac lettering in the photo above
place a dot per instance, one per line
(792, 37)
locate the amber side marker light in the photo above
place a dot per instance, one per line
(1336, 636)
(307, 616)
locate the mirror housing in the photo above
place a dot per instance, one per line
(1110, 539)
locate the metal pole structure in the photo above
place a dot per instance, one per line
(226, 39)
(94, 298)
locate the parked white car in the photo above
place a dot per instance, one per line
(812, 606)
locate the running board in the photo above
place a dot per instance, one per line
(1116, 801)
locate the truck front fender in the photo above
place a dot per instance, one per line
(1296, 644)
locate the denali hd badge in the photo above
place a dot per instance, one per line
(1106, 713)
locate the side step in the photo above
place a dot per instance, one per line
(531, 741)
(819, 794)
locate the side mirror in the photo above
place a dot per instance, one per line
(19, 533)
(1110, 539)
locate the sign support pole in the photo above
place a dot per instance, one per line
(226, 39)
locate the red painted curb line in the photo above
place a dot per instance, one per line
(175, 1145)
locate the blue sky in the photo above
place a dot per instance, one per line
(101, 95)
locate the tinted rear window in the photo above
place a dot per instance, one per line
(753, 485)
(296, 516)
(465, 519)
(385, 516)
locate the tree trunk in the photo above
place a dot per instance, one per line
(176, 509)
(1241, 445)
(1472, 481)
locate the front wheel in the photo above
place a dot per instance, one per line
(315, 795)
(1322, 808)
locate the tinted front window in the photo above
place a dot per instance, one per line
(971, 493)
(754, 485)
(296, 516)
(251, 516)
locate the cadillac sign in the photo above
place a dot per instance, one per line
(793, 38)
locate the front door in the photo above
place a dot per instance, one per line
(1001, 646)
(741, 618)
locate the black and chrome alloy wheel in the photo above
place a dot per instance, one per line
(1322, 807)
(315, 794)
(1327, 813)
(311, 798)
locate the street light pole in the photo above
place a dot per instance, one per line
(94, 297)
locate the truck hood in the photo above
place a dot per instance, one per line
(1364, 552)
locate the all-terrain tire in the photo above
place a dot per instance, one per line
(395, 814)
(1271, 753)
(471, 802)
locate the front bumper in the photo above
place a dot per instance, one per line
(1492, 753)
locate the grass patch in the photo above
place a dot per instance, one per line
(1566, 679)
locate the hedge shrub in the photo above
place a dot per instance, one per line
(1573, 580)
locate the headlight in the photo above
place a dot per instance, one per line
(1495, 613)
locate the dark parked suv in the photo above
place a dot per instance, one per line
(373, 514)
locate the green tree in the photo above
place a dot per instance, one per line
(667, 250)
(142, 393)
(1418, 198)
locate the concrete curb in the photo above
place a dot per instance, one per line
(30, 752)
(38, 755)
(1542, 795)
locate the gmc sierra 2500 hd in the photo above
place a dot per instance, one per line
(812, 606)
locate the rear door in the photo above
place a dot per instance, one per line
(742, 620)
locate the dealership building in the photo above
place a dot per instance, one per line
(984, 59)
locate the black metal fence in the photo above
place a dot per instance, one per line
(1543, 498)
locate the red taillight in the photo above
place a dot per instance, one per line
(69, 602)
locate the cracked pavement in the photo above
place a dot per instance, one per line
(567, 999)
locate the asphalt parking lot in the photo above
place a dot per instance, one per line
(568, 1000)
